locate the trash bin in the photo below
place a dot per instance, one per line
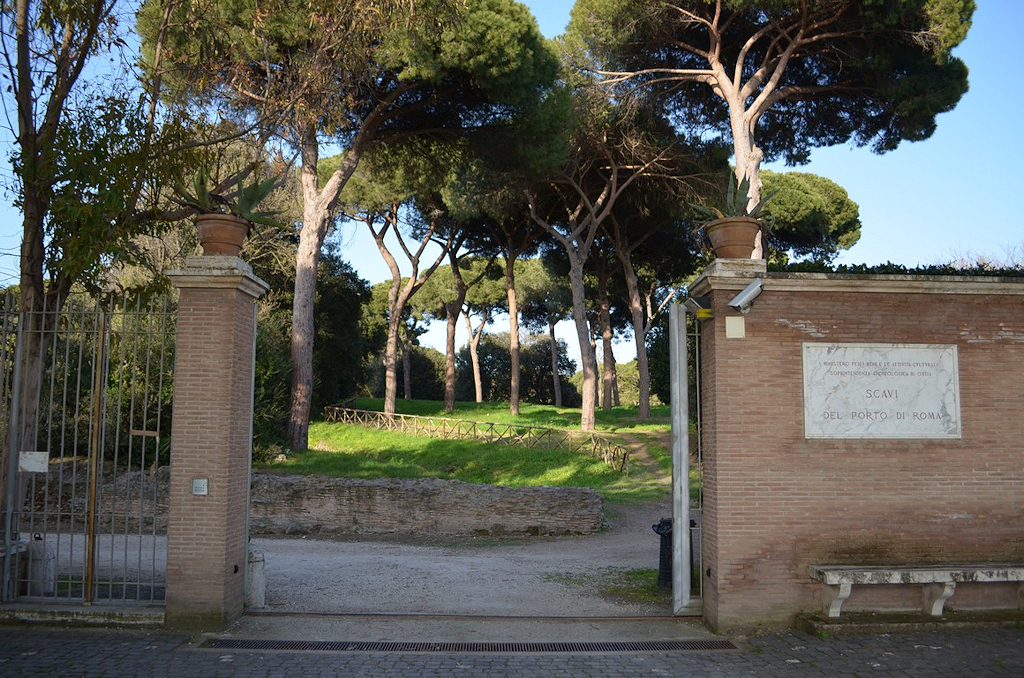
(664, 530)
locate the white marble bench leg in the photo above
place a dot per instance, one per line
(935, 597)
(833, 597)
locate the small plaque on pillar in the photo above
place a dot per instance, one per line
(735, 327)
(33, 461)
(200, 487)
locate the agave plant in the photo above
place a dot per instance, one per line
(207, 197)
(248, 196)
(737, 197)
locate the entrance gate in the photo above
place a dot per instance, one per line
(85, 513)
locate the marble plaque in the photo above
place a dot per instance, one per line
(881, 391)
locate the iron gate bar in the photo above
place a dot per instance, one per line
(7, 586)
(95, 442)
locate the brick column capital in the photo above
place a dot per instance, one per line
(727, 274)
(218, 272)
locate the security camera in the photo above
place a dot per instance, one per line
(745, 299)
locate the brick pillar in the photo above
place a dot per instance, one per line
(211, 441)
(730, 376)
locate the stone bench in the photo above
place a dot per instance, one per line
(939, 581)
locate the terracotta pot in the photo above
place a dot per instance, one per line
(221, 234)
(733, 237)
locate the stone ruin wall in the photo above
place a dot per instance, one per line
(294, 505)
(417, 508)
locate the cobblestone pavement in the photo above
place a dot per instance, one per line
(26, 651)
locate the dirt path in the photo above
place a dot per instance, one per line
(541, 577)
(641, 456)
(536, 577)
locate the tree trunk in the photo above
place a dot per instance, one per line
(587, 356)
(607, 370)
(391, 365)
(34, 156)
(407, 369)
(748, 157)
(452, 317)
(316, 206)
(577, 246)
(556, 379)
(396, 306)
(474, 342)
(395, 311)
(307, 259)
(615, 380)
(513, 336)
(605, 323)
(636, 314)
(33, 309)
(32, 364)
(39, 308)
(452, 309)
(398, 294)
(518, 237)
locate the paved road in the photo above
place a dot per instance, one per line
(92, 653)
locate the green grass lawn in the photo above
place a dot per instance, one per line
(621, 418)
(349, 451)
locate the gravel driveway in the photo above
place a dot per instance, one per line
(535, 577)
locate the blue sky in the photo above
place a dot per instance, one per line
(951, 196)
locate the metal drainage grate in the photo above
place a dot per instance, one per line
(385, 646)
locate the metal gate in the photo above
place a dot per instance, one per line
(85, 511)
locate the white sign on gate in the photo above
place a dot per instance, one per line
(33, 461)
(881, 391)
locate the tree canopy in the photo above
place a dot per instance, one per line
(809, 215)
(785, 76)
(352, 71)
(355, 75)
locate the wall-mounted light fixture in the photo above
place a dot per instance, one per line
(700, 307)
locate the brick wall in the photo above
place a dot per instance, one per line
(421, 508)
(776, 502)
